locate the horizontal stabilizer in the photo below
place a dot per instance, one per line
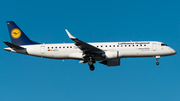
(13, 46)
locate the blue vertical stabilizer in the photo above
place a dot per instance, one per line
(17, 35)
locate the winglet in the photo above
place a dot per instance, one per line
(70, 36)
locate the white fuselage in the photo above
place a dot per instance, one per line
(123, 49)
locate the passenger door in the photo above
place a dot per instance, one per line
(154, 46)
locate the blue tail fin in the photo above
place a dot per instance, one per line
(17, 35)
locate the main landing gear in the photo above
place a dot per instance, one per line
(91, 66)
(90, 59)
(157, 58)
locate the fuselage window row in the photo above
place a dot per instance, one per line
(98, 46)
(60, 47)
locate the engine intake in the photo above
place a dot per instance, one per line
(111, 54)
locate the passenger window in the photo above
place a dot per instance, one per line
(117, 45)
(140, 45)
(52, 47)
(70, 46)
(136, 45)
(133, 45)
(106, 46)
(113, 45)
(48, 47)
(109, 45)
(59, 47)
(144, 45)
(101, 46)
(125, 45)
(129, 45)
(63, 47)
(67, 47)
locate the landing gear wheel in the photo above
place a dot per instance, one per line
(91, 67)
(157, 63)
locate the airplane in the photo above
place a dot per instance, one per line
(107, 53)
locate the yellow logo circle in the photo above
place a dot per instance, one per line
(15, 33)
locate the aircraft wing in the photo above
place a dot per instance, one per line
(85, 47)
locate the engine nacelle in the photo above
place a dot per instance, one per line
(114, 62)
(111, 54)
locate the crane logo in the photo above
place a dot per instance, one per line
(15, 33)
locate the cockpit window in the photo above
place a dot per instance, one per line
(163, 44)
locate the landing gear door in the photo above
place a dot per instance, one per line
(154, 46)
(42, 49)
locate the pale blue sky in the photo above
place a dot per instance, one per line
(27, 78)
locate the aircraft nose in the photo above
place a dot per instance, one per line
(173, 51)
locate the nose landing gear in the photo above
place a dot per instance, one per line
(157, 58)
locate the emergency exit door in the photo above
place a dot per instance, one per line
(42, 49)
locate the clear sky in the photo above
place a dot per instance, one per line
(28, 78)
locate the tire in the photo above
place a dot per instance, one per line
(92, 68)
(157, 63)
